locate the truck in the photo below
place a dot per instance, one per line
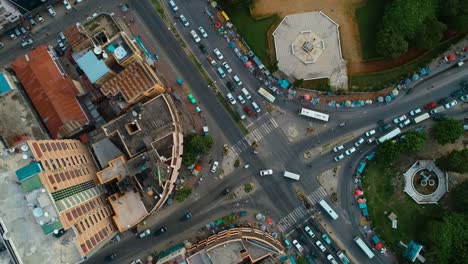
(420, 118)
(395, 132)
(364, 247)
(291, 175)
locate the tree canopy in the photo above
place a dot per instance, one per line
(391, 45)
(429, 34)
(449, 239)
(388, 151)
(454, 13)
(195, 145)
(447, 131)
(456, 161)
(413, 142)
(459, 198)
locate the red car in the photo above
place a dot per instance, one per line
(249, 111)
(430, 106)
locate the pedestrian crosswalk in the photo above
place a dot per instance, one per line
(254, 136)
(300, 214)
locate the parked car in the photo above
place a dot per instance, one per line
(463, 97)
(415, 112)
(12, 35)
(249, 111)
(326, 239)
(266, 172)
(227, 67)
(203, 32)
(297, 245)
(174, 7)
(51, 11)
(359, 142)
(370, 140)
(332, 259)
(211, 60)
(218, 54)
(350, 151)
(309, 231)
(2, 45)
(40, 19)
(457, 93)
(110, 257)
(231, 98)
(444, 100)
(439, 117)
(405, 123)
(430, 106)
(202, 48)
(195, 36)
(186, 217)
(339, 157)
(451, 104)
(184, 21)
(144, 233)
(399, 119)
(32, 22)
(66, 4)
(370, 133)
(237, 80)
(214, 167)
(320, 245)
(241, 99)
(27, 43)
(160, 231)
(338, 148)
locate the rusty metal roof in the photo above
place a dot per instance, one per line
(52, 93)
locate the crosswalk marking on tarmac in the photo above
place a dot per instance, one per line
(301, 213)
(255, 135)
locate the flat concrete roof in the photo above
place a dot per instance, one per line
(229, 253)
(23, 231)
(129, 209)
(327, 63)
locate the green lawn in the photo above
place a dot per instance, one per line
(317, 84)
(369, 17)
(253, 31)
(412, 218)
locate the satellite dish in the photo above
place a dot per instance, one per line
(24, 147)
(104, 55)
(56, 231)
(25, 157)
(46, 214)
(97, 50)
(38, 212)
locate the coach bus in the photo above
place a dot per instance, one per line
(314, 114)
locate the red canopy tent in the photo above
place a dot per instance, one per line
(358, 192)
(451, 57)
(378, 246)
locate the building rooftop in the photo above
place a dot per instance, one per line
(93, 67)
(105, 151)
(132, 82)
(128, 208)
(51, 91)
(77, 40)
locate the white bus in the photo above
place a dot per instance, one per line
(266, 95)
(329, 210)
(421, 118)
(395, 132)
(314, 114)
(291, 175)
(364, 247)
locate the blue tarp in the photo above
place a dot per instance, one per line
(364, 212)
(28, 171)
(283, 83)
(257, 61)
(4, 85)
(412, 251)
(371, 156)
(363, 205)
(92, 66)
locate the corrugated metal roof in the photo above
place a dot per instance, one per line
(92, 66)
(52, 94)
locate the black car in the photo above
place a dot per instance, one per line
(230, 86)
(444, 100)
(457, 93)
(410, 90)
(226, 191)
(110, 257)
(186, 217)
(160, 231)
(202, 48)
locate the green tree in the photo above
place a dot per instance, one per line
(195, 145)
(458, 23)
(301, 260)
(449, 239)
(407, 16)
(391, 45)
(388, 151)
(450, 8)
(248, 187)
(456, 161)
(413, 142)
(459, 198)
(183, 193)
(429, 34)
(447, 131)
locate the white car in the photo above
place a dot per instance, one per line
(399, 119)
(309, 231)
(195, 36)
(40, 19)
(144, 233)
(227, 67)
(370, 132)
(415, 112)
(339, 157)
(338, 148)
(214, 167)
(451, 104)
(51, 10)
(203, 32)
(320, 245)
(26, 43)
(332, 259)
(241, 99)
(266, 172)
(173, 6)
(405, 123)
(218, 54)
(184, 20)
(67, 5)
(359, 142)
(350, 151)
(297, 245)
(231, 98)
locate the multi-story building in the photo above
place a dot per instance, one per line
(67, 194)
(8, 14)
(51, 91)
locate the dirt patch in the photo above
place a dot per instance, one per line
(329, 180)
